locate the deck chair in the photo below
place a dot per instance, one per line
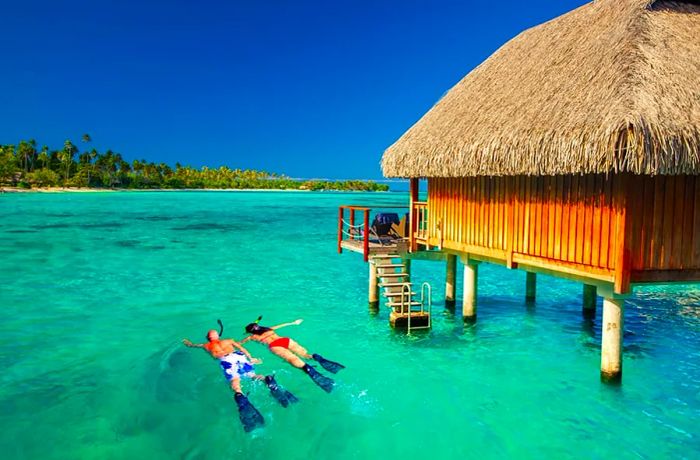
(381, 230)
(400, 230)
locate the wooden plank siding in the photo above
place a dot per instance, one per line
(623, 228)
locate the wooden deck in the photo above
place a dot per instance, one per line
(374, 248)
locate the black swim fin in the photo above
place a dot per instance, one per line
(284, 397)
(250, 417)
(319, 379)
(330, 366)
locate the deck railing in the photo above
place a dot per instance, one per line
(350, 230)
(420, 224)
(354, 225)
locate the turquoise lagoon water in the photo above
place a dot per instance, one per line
(98, 289)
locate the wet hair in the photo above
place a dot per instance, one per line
(256, 329)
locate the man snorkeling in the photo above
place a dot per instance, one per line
(236, 363)
(292, 352)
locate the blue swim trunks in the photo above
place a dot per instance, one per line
(236, 364)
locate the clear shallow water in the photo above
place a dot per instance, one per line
(98, 289)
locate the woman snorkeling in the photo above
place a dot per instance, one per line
(292, 352)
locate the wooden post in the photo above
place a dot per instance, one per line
(589, 301)
(340, 229)
(611, 346)
(530, 287)
(352, 221)
(471, 272)
(412, 218)
(366, 236)
(373, 295)
(451, 281)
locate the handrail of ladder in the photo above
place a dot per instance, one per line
(426, 287)
(406, 292)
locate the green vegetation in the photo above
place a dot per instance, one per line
(25, 166)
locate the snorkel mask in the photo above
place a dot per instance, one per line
(255, 328)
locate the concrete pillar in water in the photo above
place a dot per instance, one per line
(589, 301)
(373, 295)
(471, 274)
(530, 286)
(451, 282)
(611, 346)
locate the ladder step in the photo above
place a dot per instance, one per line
(412, 303)
(386, 256)
(391, 266)
(393, 275)
(398, 294)
(385, 285)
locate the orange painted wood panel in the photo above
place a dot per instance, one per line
(667, 212)
(566, 191)
(596, 222)
(678, 209)
(689, 233)
(696, 226)
(588, 219)
(574, 219)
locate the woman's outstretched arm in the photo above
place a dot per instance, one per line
(293, 323)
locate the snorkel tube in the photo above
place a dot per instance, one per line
(221, 327)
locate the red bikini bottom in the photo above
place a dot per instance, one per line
(282, 342)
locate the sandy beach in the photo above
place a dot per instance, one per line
(110, 190)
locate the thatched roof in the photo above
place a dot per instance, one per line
(612, 86)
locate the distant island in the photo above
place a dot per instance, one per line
(24, 166)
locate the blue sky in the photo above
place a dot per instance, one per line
(306, 88)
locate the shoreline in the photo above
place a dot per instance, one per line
(118, 190)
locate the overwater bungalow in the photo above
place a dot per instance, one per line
(573, 151)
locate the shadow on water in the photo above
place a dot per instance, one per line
(20, 230)
(127, 243)
(89, 225)
(169, 373)
(531, 307)
(209, 226)
(154, 218)
(169, 383)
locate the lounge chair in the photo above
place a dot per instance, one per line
(382, 230)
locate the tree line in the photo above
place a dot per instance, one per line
(25, 165)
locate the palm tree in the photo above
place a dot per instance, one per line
(44, 156)
(32, 153)
(26, 151)
(66, 157)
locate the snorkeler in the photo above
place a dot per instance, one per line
(236, 362)
(292, 352)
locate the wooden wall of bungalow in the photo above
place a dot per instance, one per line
(620, 229)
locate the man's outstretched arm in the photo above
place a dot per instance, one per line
(245, 352)
(192, 345)
(293, 323)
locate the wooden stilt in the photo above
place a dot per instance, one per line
(530, 287)
(373, 293)
(471, 272)
(611, 347)
(451, 282)
(589, 301)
